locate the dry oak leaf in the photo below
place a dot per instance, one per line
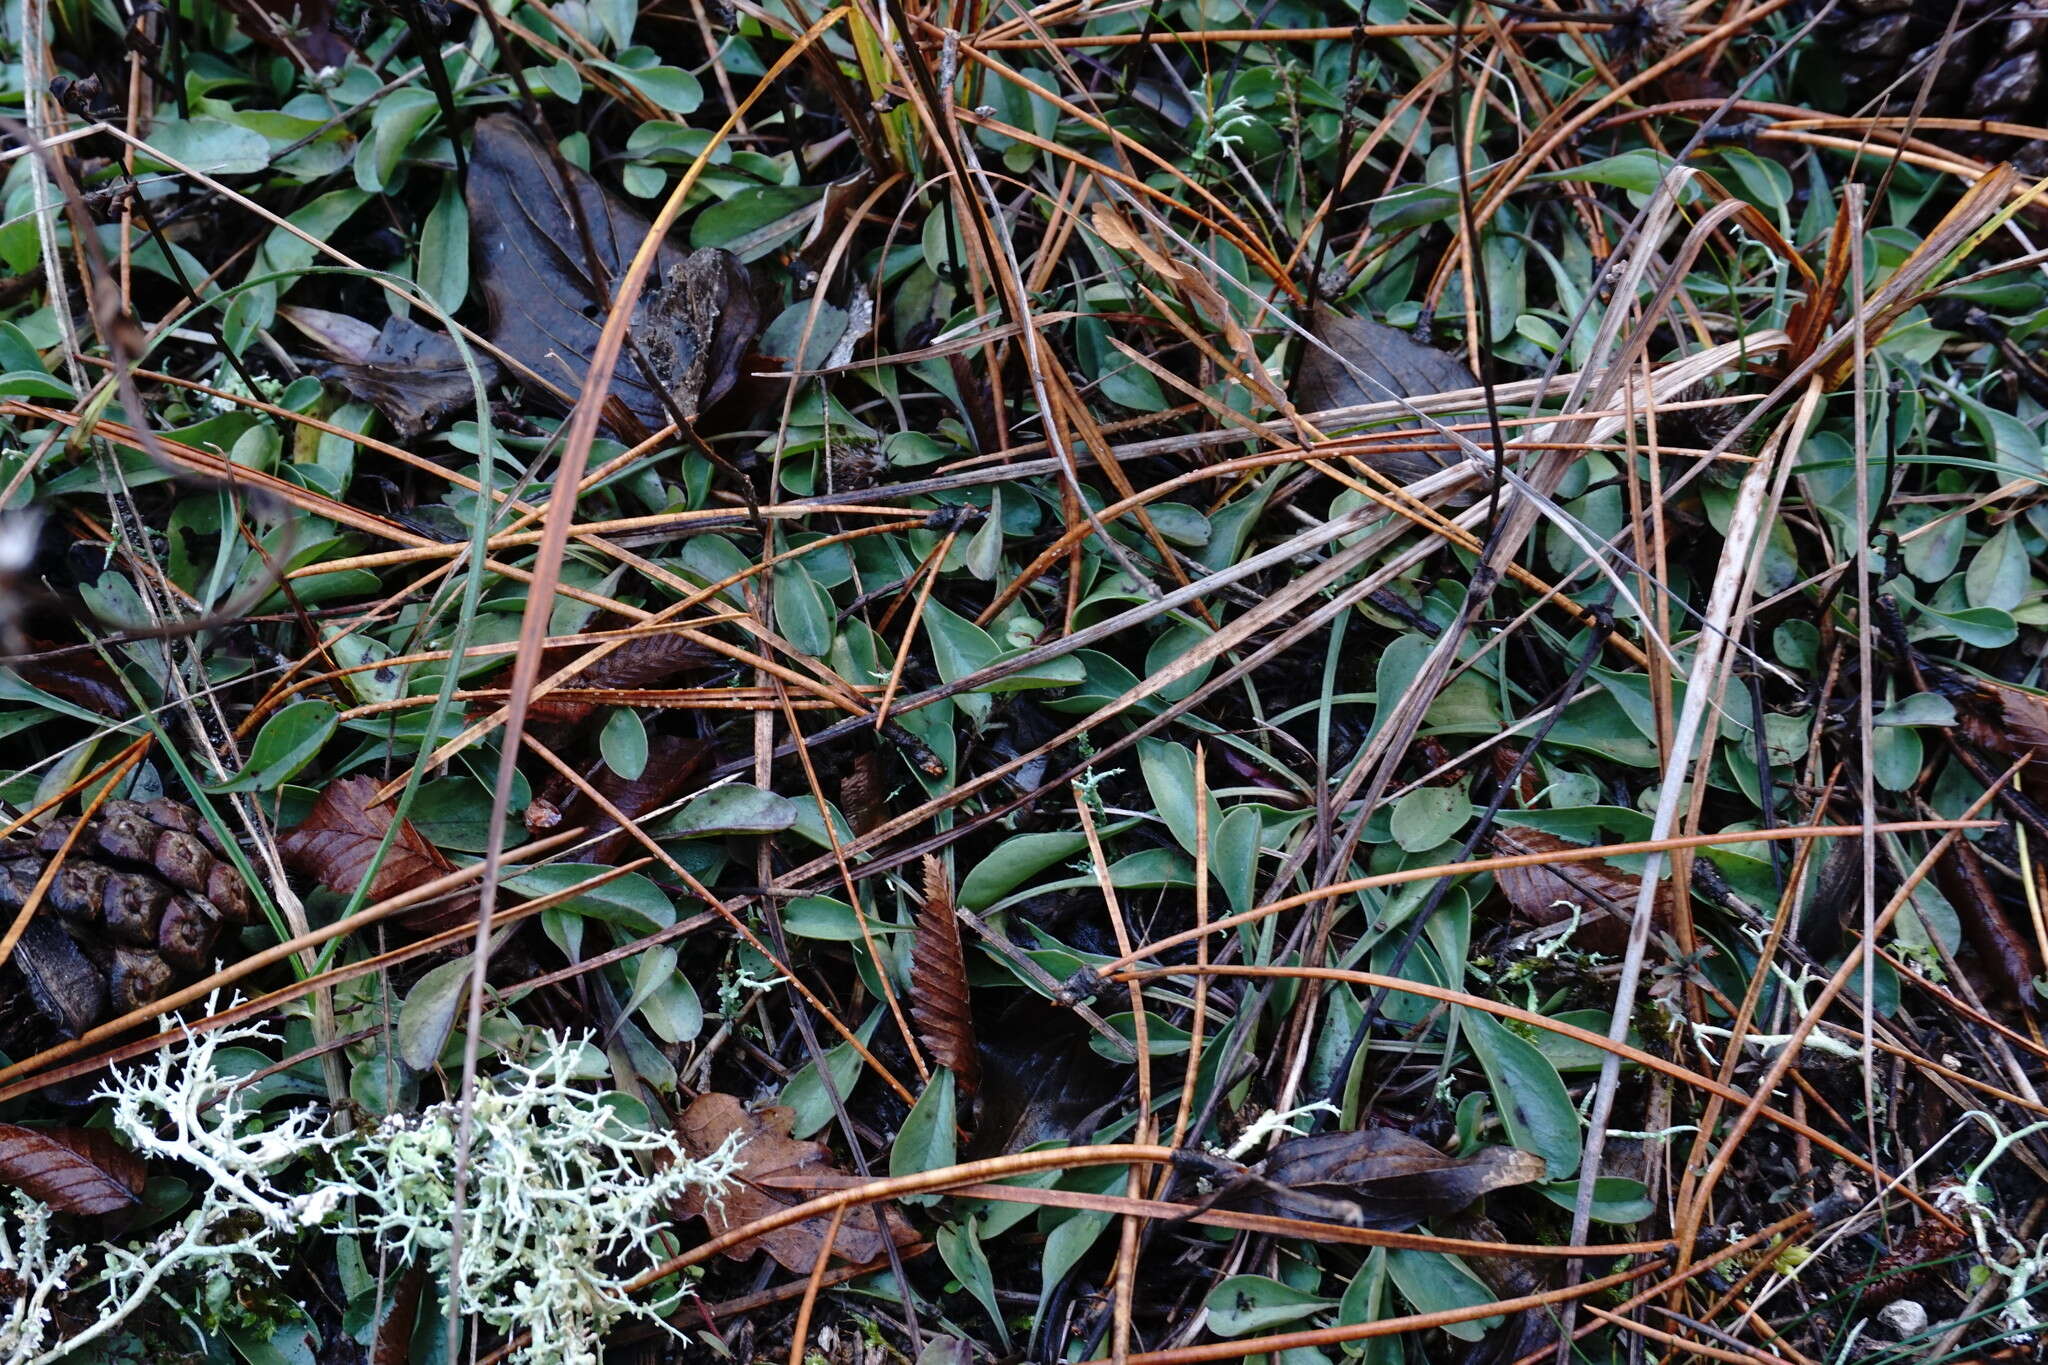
(73, 1170)
(1374, 1178)
(338, 841)
(766, 1150)
(1603, 894)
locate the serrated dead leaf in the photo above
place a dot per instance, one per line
(338, 841)
(766, 1149)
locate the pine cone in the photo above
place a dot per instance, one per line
(136, 906)
(1995, 67)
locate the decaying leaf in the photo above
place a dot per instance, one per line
(411, 374)
(642, 661)
(1373, 1178)
(338, 840)
(765, 1150)
(63, 984)
(1393, 365)
(1996, 716)
(861, 794)
(2004, 956)
(939, 1001)
(73, 1170)
(673, 764)
(1601, 894)
(301, 29)
(691, 326)
(80, 677)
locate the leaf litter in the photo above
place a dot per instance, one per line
(1032, 476)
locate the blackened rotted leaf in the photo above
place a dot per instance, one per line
(2004, 959)
(411, 374)
(1374, 1178)
(73, 1170)
(62, 982)
(301, 29)
(692, 324)
(1394, 364)
(80, 677)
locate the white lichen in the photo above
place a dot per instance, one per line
(177, 1107)
(559, 1213)
(32, 1273)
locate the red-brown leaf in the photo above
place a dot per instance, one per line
(73, 1170)
(860, 793)
(766, 1149)
(393, 1344)
(2003, 954)
(672, 765)
(642, 661)
(939, 1002)
(1605, 895)
(338, 841)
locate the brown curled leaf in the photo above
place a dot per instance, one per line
(766, 1149)
(940, 1006)
(692, 324)
(1374, 1178)
(1997, 717)
(73, 1170)
(2005, 956)
(861, 794)
(1601, 894)
(411, 374)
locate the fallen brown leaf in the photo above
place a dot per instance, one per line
(1603, 894)
(1996, 716)
(673, 763)
(73, 1170)
(938, 983)
(766, 1149)
(1373, 1178)
(338, 842)
(692, 324)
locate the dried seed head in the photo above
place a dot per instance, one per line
(1645, 31)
